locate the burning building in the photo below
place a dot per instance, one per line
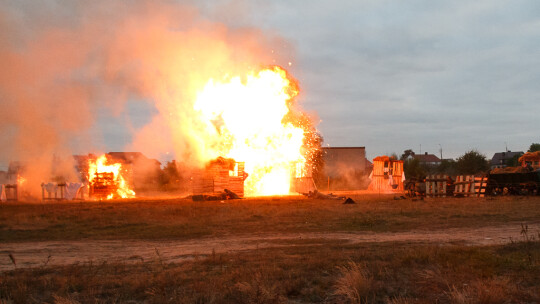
(107, 179)
(209, 89)
(253, 119)
(142, 171)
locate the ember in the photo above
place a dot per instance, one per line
(107, 180)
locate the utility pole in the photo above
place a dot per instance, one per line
(440, 150)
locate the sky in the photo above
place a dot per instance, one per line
(386, 75)
(420, 75)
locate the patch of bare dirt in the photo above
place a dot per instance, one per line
(39, 254)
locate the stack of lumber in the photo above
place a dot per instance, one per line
(217, 177)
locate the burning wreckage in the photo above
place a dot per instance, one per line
(276, 149)
(102, 177)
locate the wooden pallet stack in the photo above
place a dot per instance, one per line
(470, 185)
(436, 185)
(480, 184)
(103, 185)
(218, 176)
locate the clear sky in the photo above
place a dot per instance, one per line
(424, 75)
(387, 75)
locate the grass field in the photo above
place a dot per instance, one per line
(292, 270)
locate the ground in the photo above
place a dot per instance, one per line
(382, 249)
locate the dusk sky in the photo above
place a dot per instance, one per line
(386, 75)
(393, 75)
(396, 75)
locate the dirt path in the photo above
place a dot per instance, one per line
(37, 254)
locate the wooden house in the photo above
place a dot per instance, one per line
(387, 175)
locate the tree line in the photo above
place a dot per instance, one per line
(470, 163)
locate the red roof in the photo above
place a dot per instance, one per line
(427, 158)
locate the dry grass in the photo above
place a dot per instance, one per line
(327, 273)
(184, 219)
(294, 271)
(354, 283)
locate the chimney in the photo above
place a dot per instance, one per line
(426, 153)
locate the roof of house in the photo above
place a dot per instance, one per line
(427, 158)
(500, 157)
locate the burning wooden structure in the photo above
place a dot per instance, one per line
(218, 175)
(387, 175)
(103, 185)
(107, 179)
(302, 179)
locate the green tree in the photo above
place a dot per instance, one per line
(472, 162)
(448, 167)
(534, 147)
(413, 169)
(513, 162)
(406, 154)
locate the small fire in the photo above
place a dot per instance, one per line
(109, 177)
(20, 180)
(250, 119)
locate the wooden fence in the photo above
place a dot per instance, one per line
(436, 185)
(470, 185)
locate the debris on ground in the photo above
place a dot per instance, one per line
(225, 195)
(319, 195)
(349, 201)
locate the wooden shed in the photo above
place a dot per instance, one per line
(387, 175)
(218, 175)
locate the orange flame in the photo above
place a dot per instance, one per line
(20, 180)
(100, 165)
(246, 119)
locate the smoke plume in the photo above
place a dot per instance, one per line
(65, 61)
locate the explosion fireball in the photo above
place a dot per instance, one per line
(250, 119)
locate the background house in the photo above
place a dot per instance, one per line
(504, 159)
(428, 159)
